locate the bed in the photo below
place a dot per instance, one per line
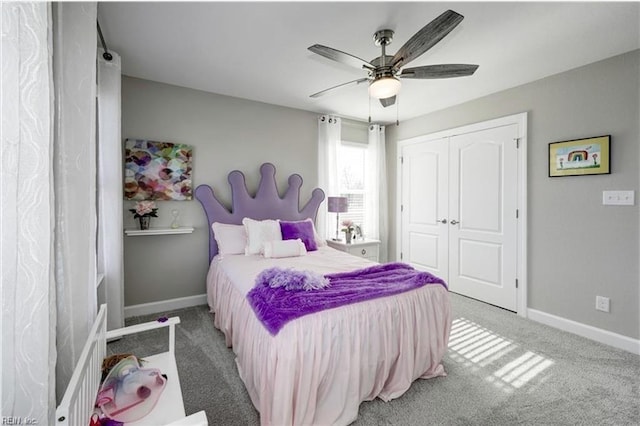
(319, 367)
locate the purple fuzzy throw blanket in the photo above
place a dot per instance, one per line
(276, 303)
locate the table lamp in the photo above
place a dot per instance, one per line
(337, 205)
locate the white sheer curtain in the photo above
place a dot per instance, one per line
(329, 134)
(74, 74)
(27, 289)
(376, 218)
(110, 244)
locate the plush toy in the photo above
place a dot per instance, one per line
(130, 392)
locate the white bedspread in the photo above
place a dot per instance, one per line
(319, 368)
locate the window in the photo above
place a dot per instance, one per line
(352, 164)
(351, 180)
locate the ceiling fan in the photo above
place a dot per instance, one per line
(384, 71)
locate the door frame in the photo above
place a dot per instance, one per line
(520, 120)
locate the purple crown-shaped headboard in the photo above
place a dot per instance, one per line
(266, 204)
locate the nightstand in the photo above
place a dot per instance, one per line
(369, 249)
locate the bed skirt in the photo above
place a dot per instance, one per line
(319, 368)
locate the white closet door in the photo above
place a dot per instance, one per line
(482, 215)
(424, 206)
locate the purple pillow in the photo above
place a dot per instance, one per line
(302, 229)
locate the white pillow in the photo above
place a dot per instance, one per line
(231, 239)
(284, 248)
(260, 232)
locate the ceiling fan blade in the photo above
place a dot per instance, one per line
(426, 38)
(339, 56)
(439, 71)
(388, 101)
(354, 82)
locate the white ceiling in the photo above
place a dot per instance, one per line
(258, 50)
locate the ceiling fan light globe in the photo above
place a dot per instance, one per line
(384, 87)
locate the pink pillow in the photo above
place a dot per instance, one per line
(303, 230)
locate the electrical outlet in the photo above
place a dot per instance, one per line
(602, 303)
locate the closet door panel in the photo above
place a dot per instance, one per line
(424, 206)
(480, 182)
(423, 251)
(482, 208)
(489, 271)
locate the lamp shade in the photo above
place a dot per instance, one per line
(384, 87)
(337, 204)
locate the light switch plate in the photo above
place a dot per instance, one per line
(618, 198)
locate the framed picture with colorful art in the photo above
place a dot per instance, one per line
(157, 170)
(579, 157)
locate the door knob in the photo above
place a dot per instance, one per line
(454, 222)
(443, 221)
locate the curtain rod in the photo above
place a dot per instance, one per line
(106, 55)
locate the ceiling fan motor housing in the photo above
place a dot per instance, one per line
(381, 70)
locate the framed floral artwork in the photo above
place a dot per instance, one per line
(580, 157)
(157, 170)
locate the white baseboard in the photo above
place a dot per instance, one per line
(599, 335)
(164, 305)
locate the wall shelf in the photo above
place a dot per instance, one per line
(158, 231)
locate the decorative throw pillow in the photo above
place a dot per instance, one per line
(284, 248)
(231, 239)
(302, 229)
(259, 232)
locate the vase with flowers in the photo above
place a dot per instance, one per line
(144, 211)
(348, 228)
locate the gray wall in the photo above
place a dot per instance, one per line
(577, 248)
(226, 134)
